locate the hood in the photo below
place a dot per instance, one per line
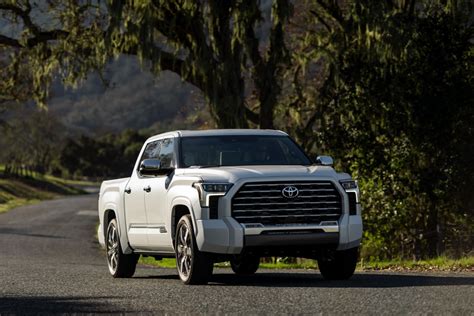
(236, 173)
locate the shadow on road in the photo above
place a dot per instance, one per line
(363, 280)
(47, 305)
(359, 280)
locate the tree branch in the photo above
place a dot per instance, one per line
(40, 37)
(23, 14)
(8, 41)
(320, 19)
(333, 10)
(170, 62)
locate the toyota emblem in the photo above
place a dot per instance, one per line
(290, 192)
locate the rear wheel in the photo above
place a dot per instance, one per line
(340, 265)
(194, 266)
(120, 264)
(245, 265)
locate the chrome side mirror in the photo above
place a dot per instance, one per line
(324, 160)
(150, 167)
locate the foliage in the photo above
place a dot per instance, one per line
(102, 157)
(396, 106)
(29, 141)
(214, 45)
(436, 264)
(39, 49)
(463, 264)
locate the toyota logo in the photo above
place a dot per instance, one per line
(290, 192)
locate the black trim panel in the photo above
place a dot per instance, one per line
(290, 239)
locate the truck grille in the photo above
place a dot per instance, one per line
(264, 203)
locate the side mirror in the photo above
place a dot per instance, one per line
(153, 167)
(324, 160)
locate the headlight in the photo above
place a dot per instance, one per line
(216, 187)
(349, 184)
(206, 190)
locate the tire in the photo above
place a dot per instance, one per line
(340, 266)
(194, 266)
(245, 265)
(120, 264)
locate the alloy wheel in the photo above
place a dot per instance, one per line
(112, 248)
(184, 251)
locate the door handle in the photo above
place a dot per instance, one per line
(147, 189)
(128, 190)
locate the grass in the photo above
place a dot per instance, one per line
(436, 264)
(15, 192)
(163, 263)
(171, 263)
(465, 264)
(71, 182)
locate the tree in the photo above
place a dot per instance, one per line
(102, 157)
(396, 106)
(212, 44)
(30, 140)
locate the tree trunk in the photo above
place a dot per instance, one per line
(226, 96)
(229, 112)
(267, 104)
(432, 230)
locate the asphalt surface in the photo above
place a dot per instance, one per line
(50, 262)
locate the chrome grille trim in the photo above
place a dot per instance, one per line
(264, 203)
(296, 203)
(267, 216)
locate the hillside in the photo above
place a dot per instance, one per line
(130, 98)
(20, 191)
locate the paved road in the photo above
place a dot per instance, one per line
(50, 263)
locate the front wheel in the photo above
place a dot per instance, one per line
(120, 264)
(340, 265)
(194, 266)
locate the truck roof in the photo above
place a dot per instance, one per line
(221, 132)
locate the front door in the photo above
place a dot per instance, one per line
(156, 203)
(135, 210)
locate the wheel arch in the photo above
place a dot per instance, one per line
(109, 214)
(180, 207)
(111, 211)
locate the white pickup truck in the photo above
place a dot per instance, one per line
(229, 195)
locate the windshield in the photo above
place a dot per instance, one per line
(205, 151)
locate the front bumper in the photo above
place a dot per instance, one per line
(227, 236)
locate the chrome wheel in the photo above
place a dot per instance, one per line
(194, 266)
(113, 245)
(184, 251)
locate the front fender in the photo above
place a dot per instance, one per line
(193, 210)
